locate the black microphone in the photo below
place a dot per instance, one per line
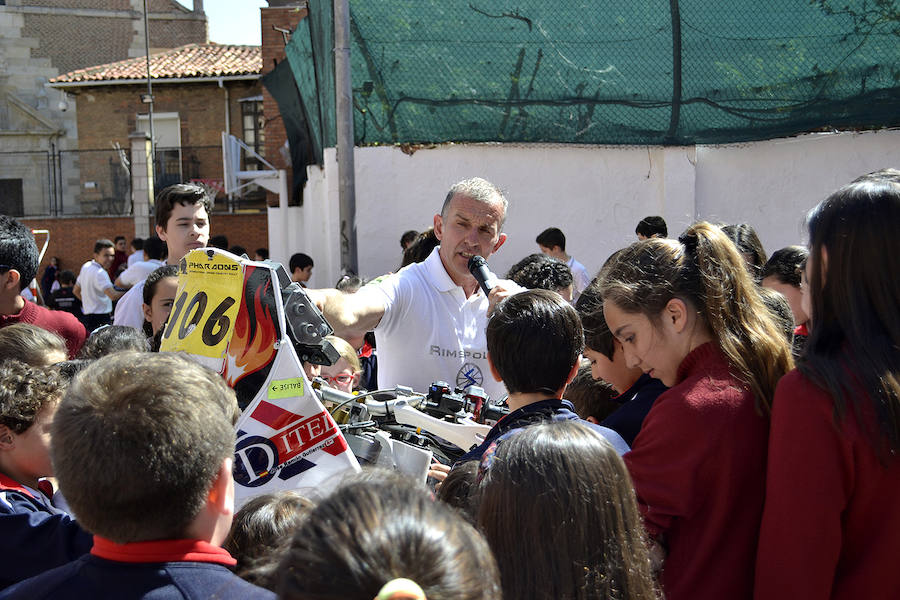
(479, 269)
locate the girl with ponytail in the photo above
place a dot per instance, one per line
(832, 514)
(689, 314)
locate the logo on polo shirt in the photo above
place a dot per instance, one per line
(468, 376)
(436, 350)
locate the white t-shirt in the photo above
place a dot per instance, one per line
(130, 307)
(430, 331)
(93, 280)
(580, 277)
(135, 257)
(139, 271)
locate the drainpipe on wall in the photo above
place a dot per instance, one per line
(227, 106)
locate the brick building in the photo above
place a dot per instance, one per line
(72, 238)
(39, 39)
(199, 91)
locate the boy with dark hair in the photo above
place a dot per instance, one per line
(120, 260)
(64, 298)
(18, 266)
(534, 341)
(95, 288)
(593, 399)
(551, 238)
(408, 238)
(782, 274)
(651, 227)
(144, 456)
(182, 222)
(137, 251)
(38, 536)
(542, 272)
(300, 266)
(218, 241)
(637, 390)
(154, 253)
(552, 242)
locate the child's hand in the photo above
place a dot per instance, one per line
(438, 472)
(503, 288)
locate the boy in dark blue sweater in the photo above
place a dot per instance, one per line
(534, 341)
(143, 447)
(637, 390)
(36, 535)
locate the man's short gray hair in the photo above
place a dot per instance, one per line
(480, 190)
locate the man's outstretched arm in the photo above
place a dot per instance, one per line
(350, 315)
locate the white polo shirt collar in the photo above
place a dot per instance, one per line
(440, 279)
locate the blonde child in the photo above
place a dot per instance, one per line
(344, 374)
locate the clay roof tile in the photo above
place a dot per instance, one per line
(193, 60)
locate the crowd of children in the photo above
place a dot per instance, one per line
(722, 440)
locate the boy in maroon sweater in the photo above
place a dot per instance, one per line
(18, 266)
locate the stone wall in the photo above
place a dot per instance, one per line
(40, 39)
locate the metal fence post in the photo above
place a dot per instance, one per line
(675, 117)
(345, 139)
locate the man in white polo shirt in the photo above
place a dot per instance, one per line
(95, 289)
(429, 318)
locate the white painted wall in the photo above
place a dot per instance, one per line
(596, 195)
(773, 184)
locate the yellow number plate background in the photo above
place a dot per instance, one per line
(221, 278)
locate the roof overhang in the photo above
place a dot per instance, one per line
(143, 81)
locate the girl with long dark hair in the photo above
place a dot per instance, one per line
(558, 509)
(831, 526)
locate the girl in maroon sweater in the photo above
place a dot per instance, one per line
(831, 526)
(689, 314)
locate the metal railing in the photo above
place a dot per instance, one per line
(98, 182)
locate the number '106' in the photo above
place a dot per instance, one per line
(216, 325)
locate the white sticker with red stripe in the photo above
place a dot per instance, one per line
(287, 440)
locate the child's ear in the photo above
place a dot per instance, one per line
(675, 315)
(7, 438)
(148, 312)
(221, 495)
(12, 279)
(574, 371)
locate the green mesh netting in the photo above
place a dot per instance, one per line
(623, 72)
